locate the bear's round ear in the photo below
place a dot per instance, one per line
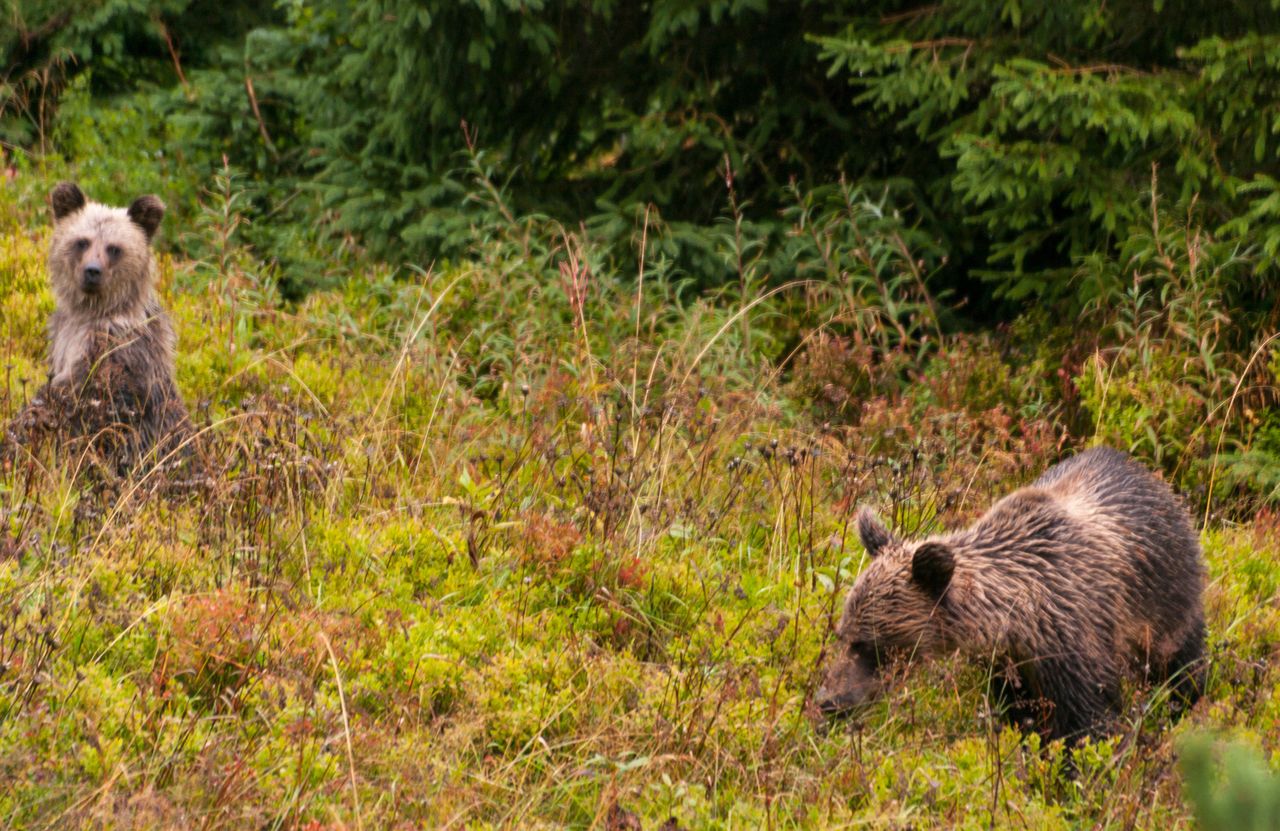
(932, 565)
(146, 212)
(67, 198)
(873, 534)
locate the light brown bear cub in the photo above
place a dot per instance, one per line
(110, 342)
(1090, 576)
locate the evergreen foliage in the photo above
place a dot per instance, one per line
(1043, 123)
(588, 108)
(1026, 134)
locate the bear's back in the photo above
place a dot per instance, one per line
(1108, 487)
(1136, 524)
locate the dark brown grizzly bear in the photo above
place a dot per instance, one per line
(1090, 576)
(110, 342)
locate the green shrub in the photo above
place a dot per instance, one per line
(1238, 793)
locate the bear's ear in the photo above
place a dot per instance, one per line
(146, 212)
(873, 534)
(67, 198)
(932, 566)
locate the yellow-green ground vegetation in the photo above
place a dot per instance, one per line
(527, 540)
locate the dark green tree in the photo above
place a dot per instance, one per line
(1039, 124)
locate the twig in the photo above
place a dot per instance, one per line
(346, 729)
(262, 126)
(935, 43)
(173, 54)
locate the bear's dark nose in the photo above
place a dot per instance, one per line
(847, 699)
(834, 705)
(91, 278)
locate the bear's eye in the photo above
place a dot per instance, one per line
(113, 251)
(82, 244)
(865, 650)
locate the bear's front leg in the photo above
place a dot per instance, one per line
(1082, 699)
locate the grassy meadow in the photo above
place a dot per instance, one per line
(528, 540)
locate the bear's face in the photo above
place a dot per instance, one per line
(100, 259)
(891, 614)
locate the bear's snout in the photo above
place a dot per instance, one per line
(848, 686)
(91, 278)
(837, 703)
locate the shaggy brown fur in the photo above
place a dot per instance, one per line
(1091, 575)
(110, 342)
